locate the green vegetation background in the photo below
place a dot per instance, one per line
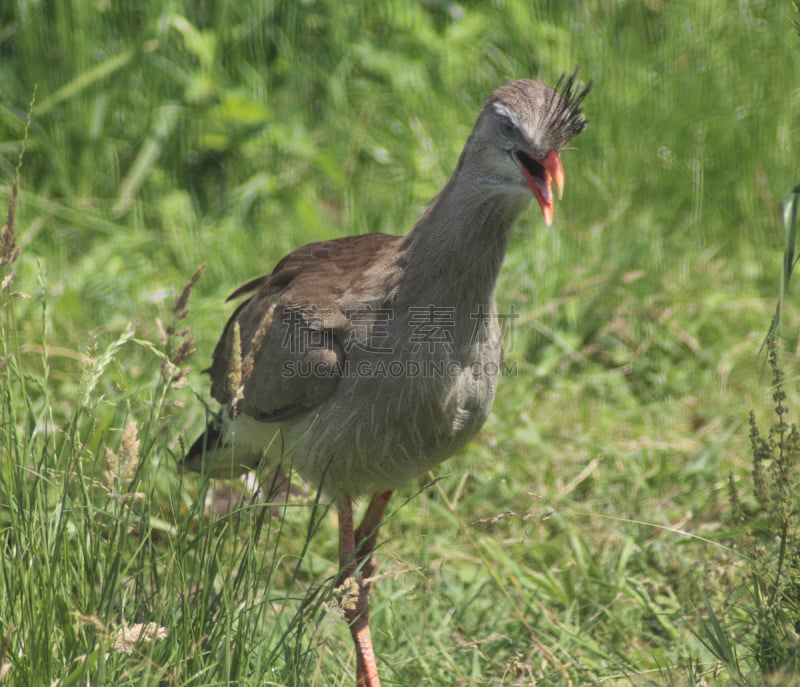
(584, 534)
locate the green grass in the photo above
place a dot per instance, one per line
(586, 536)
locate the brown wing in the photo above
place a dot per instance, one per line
(283, 349)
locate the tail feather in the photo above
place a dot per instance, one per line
(199, 456)
(216, 453)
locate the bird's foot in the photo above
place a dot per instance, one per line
(353, 598)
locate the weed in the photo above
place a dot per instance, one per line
(768, 548)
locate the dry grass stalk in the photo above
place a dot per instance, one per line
(180, 341)
(235, 384)
(255, 345)
(128, 636)
(122, 465)
(181, 307)
(9, 250)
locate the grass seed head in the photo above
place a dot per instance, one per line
(235, 386)
(255, 344)
(181, 307)
(127, 636)
(347, 593)
(185, 349)
(9, 250)
(123, 463)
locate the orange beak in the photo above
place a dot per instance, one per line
(551, 171)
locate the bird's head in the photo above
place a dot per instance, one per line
(521, 131)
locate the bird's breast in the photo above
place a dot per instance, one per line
(404, 403)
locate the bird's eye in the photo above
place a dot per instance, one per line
(508, 129)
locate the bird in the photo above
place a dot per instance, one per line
(365, 361)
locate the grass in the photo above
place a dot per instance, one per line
(587, 535)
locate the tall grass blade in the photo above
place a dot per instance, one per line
(790, 203)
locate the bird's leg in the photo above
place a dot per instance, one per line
(356, 609)
(366, 536)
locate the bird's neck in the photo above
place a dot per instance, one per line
(456, 250)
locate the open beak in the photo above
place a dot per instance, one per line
(539, 174)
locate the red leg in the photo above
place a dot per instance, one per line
(366, 536)
(356, 611)
(355, 546)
